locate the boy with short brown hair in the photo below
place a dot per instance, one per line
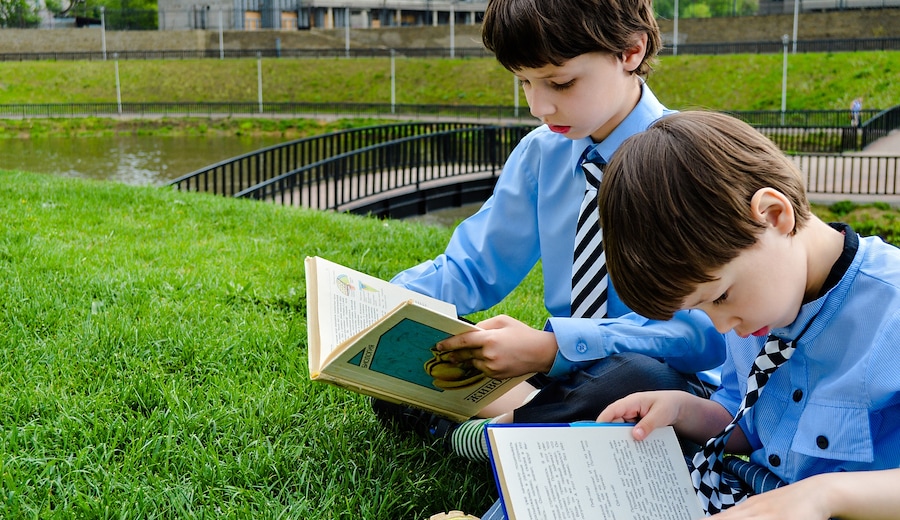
(810, 388)
(580, 63)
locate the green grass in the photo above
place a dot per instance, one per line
(816, 81)
(154, 362)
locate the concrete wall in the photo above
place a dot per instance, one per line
(870, 23)
(873, 23)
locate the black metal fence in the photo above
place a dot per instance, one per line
(757, 47)
(407, 169)
(407, 176)
(880, 125)
(241, 173)
(778, 46)
(850, 175)
(796, 131)
(270, 52)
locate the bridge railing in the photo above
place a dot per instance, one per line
(411, 167)
(244, 171)
(835, 174)
(880, 125)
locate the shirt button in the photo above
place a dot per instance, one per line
(581, 347)
(798, 395)
(822, 441)
(774, 460)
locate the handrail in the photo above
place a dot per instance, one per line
(881, 125)
(362, 170)
(414, 171)
(233, 175)
(408, 166)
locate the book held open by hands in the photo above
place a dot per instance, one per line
(376, 338)
(590, 471)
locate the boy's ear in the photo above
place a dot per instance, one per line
(774, 209)
(634, 55)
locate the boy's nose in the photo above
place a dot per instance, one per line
(539, 105)
(723, 322)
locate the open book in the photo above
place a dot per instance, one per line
(593, 471)
(377, 338)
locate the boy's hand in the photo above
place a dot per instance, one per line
(505, 347)
(843, 494)
(650, 410)
(802, 500)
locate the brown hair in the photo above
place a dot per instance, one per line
(675, 205)
(536, 33)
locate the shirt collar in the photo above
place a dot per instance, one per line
(810, 311)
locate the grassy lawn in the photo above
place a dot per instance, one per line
(154, 359)
(154, 342)
(816, 81)
(154, 353)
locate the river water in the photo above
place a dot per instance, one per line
(137, 160)
(149, 160)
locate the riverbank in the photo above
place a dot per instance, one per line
(283, 127)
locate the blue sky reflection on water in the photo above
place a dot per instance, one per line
(136, 160)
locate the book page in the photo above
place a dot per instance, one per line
(347, 301)
(376, 338)
(593, 472)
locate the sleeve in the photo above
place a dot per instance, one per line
(491, 252)
(688, 342)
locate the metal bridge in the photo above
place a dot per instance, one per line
(406, 169)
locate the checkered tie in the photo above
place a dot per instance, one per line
(715, 494)
(589, 278)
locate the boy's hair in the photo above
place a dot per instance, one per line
(536, 33)
(674, 205)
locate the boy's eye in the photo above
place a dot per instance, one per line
(562, 86)
(721, 299)
(522, 82)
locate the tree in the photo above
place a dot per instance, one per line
(19, 13)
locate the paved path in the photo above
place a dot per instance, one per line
(887, 145)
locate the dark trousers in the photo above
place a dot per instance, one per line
(582, 395)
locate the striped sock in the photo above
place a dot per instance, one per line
(468, 440)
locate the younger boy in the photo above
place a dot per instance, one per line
(581, 64)
(725, 228)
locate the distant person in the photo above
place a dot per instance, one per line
(855, 111)
(581, 64)
(723, 224)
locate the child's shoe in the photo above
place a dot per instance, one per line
(453, 515)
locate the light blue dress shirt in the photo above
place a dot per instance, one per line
(532, 216)
(835, 405)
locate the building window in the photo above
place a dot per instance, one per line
(288, 20)
(252, 20)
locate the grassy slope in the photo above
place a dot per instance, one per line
(154, 359)
(154, 341)
(153, 349)
(734, 82)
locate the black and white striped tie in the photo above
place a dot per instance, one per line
(589, 278)
(714, 491)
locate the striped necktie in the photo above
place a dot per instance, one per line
(714, 492)
(589, 278)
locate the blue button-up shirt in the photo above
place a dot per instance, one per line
(531, 216)
(835, 405)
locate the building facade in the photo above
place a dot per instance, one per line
(292, 15)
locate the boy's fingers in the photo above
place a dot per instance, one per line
(460, 341)
(618, 411)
